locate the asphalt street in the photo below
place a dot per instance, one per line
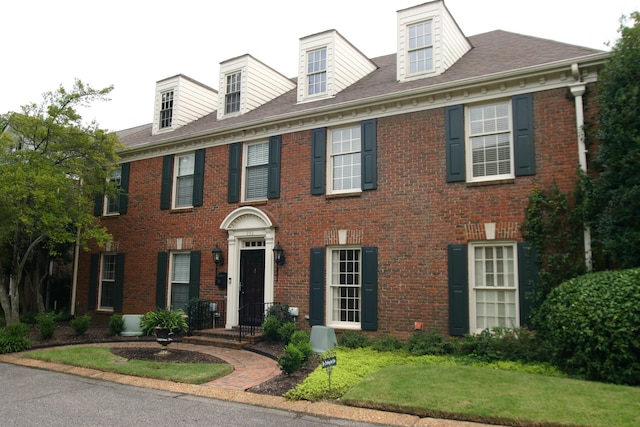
(30, 397)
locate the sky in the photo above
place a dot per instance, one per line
(133, 44)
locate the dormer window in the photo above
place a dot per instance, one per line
(420, 47)
(317, 71)
(166, 110)
(232, 93)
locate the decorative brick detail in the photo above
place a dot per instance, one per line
(504, 231)
(332, 237)
(179, 243)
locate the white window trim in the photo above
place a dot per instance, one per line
(174, 190)
(173, 107)
(170, 277)
(469, 149)
(241, 91)
(408, 50)
(472, 288)
(329, 165)
(105, 201)
(245, 161)
(102, 256)
(329, 289)
(307, 73)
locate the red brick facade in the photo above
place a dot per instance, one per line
(412, 216)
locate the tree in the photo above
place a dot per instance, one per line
(52, 165)
(616, 190)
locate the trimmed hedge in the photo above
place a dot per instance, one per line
(591, 325)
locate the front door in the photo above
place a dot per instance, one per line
(251, 286)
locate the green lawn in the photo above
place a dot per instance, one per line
(507, 393)
(102, 359)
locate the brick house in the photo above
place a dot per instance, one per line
(396, 186)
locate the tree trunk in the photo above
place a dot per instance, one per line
(10, 300)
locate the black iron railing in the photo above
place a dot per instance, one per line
(205, 313)
(251, 317)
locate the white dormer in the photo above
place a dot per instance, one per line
(246, 84)
(327, 64)
(429, 41)
(181, 100)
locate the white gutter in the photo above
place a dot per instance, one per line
(577, 90)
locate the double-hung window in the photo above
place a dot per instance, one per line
(489, 145)
(112, 203)
(180, 269)
(344, 298)
(232, 93)
(345, 164)
(256, 171)
(166, 109)
(184, 171)
(107, 281)
(493, 286)
(420, 47)
(317, 71)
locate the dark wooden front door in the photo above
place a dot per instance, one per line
(251, 286)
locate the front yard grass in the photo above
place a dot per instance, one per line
(508, 393)
(101, 358)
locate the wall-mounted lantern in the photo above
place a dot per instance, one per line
(278, 257)
(218, 257)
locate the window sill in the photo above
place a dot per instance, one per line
(253, 203)
(343, 195)
(345, 327)
(496, 182)
(180, 210)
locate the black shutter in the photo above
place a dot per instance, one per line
(97, 204)
(233, 190)
(458, 290)
(454, 141)
(161, 280)
(527, 278)
(316, 290)
(198, 178)
(275, 148)
(369, 320)
(94, 267)
(369, 154)
(123, 197)
(523, 145)
(118, 289)
(318, 153)
(194, 275)
(167, 181)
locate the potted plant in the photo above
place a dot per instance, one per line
(164, 322)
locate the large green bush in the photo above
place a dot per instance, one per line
(591, 325)
(13, 338)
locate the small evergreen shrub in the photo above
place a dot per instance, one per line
(387, 343)
(46, 324)
(116, 324)
(301, 340)
(591, 326)
(352, 339)
(280, 312)
(285, 331)
(270, 328)
(499, 343)
(13, 338)
(292, 360)
(422, 343)
(80, 324)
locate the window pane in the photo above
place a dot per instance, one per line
(179, 295)
(346, 158)
(257, 182)
(181, 267)
(184, 190)
(107, 282)
(345, 285)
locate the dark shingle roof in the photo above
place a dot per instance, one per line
(493, 52)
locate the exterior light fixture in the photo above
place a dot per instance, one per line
(278, 257)
(218, 257)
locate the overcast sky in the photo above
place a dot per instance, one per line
(132, 44)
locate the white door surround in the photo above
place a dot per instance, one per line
(247, 224)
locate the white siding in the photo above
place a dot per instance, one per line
(259, 83)
(449, 43)
(191, 101)
(345, 64)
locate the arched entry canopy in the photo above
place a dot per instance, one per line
(251, 240)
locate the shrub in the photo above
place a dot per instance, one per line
(351, 339)
(499, 343)
(591, 325)
(116, 324)
(13, 338)
(270, 328)
(80, 324)
(301, 340)
(46, 323)
(165, 318)
(422, 343)
(285, 331)
(387, 343)
(280, 312)
(291, 360)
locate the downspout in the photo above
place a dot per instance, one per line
(577, 90)
(74, 280)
